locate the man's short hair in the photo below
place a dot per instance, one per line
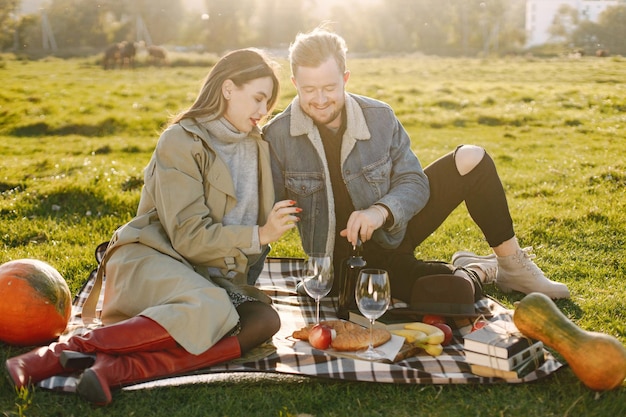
(314, 48)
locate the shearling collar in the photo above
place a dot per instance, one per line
(302, 124)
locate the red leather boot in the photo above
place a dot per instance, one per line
(111, 371)
(36, 365)
(132, 335)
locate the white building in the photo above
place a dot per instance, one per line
(540, 16)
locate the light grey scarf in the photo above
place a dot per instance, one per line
(240, 153)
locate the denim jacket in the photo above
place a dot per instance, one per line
(377, 163)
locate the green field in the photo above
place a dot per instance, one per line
(75, 138)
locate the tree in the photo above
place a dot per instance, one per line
(8, 23)
(269, 13)
(75, 23)
(564, 23)
(587, 36)
(490, 17)
(613, 29)
(228, 24)
(424, 23)
(452, 27)
(162, 18)
(442, 27)
(434, 33)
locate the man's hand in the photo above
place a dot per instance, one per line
(363, 223)
(281, 218)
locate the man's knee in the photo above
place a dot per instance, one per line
(467, 157)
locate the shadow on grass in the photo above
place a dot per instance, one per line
(7, 186)
(71, 201)
(70, 205)
(566, 305)
(107, 127)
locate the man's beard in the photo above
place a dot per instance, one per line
(327, 119)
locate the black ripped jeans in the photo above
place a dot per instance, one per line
(483, 194)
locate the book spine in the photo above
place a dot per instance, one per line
(501, 363)
(521, 371)
(510, 350)
(356, 318)
(526, 354)
(500, 351)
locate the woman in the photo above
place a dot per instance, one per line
(176, 298)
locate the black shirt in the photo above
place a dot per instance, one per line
(332, 141)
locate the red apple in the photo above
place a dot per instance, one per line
(432, 319)
(447, 331)
(320, 337)
(479, 324)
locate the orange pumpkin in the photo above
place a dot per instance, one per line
(35, 302)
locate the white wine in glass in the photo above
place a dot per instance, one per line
(317, 278)
(373, 295)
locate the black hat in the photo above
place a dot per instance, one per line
(445, 295)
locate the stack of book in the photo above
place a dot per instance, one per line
(499, 350)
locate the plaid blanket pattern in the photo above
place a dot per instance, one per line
(284, 355)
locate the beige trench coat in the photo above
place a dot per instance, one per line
(155, 264)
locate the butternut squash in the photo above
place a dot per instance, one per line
(597, 359)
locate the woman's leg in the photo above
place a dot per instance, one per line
(143, 281)
(259, 322)
(111, 371)
(137, 334)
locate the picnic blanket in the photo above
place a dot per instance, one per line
(286, 355)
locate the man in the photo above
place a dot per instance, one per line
(347, 162)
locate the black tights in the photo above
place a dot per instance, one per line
(483, 194)
(259, 322)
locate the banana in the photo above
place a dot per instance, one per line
(411, 336)
(432, 350)
(423, 336)
(434, 335)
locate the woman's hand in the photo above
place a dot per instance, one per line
(281, 218)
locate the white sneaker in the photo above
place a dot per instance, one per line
(520, 273)
(515, 272)
(487, 264)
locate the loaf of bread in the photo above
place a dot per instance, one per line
(350, 336)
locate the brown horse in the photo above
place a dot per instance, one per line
(120, 55)
(128, 50)
(157, 54)
(112, 57)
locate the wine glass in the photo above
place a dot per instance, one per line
(317, 278)
(373, 295)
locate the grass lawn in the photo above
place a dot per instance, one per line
(75, 138)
